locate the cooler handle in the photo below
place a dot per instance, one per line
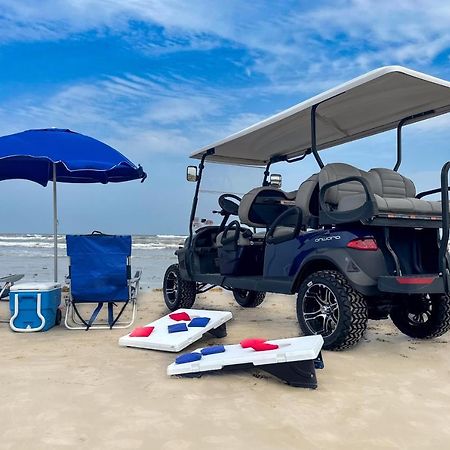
(16, 313)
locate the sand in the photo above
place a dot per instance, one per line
(76, 389)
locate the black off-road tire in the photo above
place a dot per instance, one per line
(437, 323)
(248, 299)
(351, 306)
(178, 293)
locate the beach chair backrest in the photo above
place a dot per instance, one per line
(99, 267)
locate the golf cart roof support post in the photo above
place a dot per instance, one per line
(402, 122)
(197, 189)
(274, 159)
(443, 248)
(314, 136)
(266, 173)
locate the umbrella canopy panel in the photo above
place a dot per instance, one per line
(370, 104)
(31, 155)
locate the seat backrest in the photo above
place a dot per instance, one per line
(98, 267)
(338, 171)
(388, 183)
(256, 209)
(384, 182)
(307, 199)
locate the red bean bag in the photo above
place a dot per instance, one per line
(263, 346)
(247, 343)
(142, 332)
(180, 316)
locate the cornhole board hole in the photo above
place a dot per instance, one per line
(293, 361)
(173, 335)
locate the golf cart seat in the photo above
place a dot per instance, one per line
(307, 199)
(348, 194)
(258, 209)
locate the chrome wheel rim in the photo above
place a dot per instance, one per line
(320, 310)
(422, 314)
(171, 288)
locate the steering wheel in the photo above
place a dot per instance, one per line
(228, 206)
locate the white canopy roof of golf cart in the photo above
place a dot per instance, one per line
(367, 105)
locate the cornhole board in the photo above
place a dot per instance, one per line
(161, 339)
(294, 361)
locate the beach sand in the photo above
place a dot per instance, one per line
(76, 389)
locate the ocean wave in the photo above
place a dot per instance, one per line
(28, 237)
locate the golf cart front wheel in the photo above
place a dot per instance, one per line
(178, 293)
(423, 317)
(328, 305)
(248, 299)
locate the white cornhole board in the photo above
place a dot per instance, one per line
(161, 339)
(289, 350)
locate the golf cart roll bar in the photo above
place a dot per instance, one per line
(444, 264)
(399, 133)
(197, 189)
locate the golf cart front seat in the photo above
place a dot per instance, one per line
(258, 209)
(348, 194)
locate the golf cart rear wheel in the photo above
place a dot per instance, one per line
(178, 293)
(424, 316)
(248, 299)
(328, 305)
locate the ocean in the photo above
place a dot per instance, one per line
(32, 255)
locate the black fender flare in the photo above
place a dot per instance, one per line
(340, 260)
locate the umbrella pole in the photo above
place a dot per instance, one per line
(55, 228)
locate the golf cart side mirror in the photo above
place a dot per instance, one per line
(191, 173)
(275, 180)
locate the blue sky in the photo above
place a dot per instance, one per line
(158, 79)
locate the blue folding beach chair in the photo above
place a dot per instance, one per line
(100, 273)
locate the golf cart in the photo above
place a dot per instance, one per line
(351, 244)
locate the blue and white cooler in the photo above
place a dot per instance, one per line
(34, 306)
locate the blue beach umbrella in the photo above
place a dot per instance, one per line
(66, 156)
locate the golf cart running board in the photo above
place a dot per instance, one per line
(278, 285)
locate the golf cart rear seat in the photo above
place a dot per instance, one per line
(348, 194)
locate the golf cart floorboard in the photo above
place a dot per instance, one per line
(253, 283)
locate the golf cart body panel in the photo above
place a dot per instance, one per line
(352, 243)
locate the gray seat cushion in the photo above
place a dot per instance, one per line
(394, 193)
(393, 205)
(259, 235)
(242, 241)
(307, 199)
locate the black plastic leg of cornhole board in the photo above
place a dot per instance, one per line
(295, 373)
(220, 331)
(318, 362)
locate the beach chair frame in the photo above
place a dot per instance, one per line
(75, 320)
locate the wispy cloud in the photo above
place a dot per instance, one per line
(330, 40)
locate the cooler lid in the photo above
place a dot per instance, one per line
(35, 286)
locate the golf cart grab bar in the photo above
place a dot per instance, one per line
(234, 225)
(280, 221)
(365, 211)
(430, 192)
(443, 247)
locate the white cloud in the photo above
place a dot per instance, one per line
(328, 41)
